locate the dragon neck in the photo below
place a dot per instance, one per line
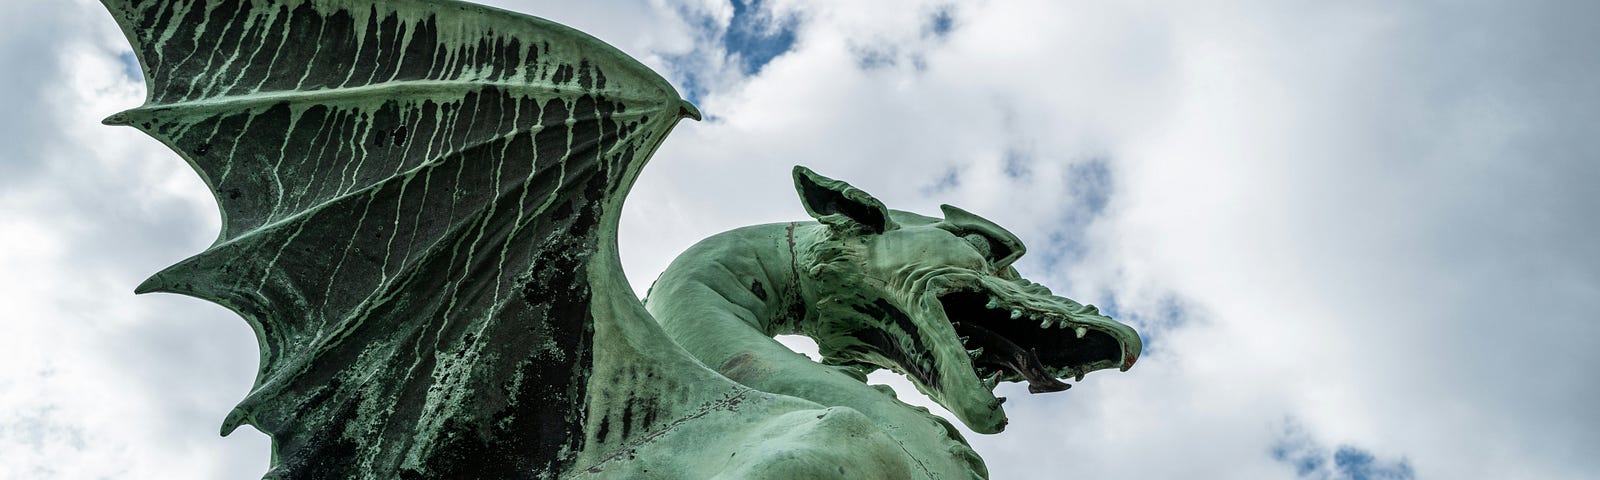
(745, 280)
(726, 297)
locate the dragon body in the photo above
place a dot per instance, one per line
(420, 203)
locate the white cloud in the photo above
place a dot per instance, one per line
(1372, 219)
(1354, 205)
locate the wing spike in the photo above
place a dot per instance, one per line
(119, 119)
(688, 110)
(161, 282)
(236, 417)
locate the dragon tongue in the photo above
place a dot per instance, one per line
(1039, 380)
(1002, 352)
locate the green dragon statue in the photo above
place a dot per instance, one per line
(420, 203)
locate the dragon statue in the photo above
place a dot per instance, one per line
(420, 202)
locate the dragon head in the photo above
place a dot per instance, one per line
(938, 301)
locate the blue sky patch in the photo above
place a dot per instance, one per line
(945, 182)
(1357, 464)
(1015, 164)
(1170, 313)
(751, 39)
(756, 35)
(876, 57)
(1090, 186)
(1311, 460)
(942, 22)
(130, 66)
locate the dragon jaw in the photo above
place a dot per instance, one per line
(967, 332)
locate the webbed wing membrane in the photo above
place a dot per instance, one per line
(411, 193)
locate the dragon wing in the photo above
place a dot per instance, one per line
(415, 198)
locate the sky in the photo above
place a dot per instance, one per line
(1358, 237)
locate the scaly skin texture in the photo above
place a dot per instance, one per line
(419, 204)
(865, 283)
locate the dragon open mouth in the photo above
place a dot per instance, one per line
(1015, 342)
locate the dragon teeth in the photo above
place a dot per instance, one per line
(1045, 323)
(1016, 314)
(1079, 378)
(992, 381)
(1082, 331)
(975, 353)
(994, 303)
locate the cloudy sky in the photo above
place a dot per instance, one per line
(1358, 236)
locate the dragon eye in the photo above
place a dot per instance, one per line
(981, 244)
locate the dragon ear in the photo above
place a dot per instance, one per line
(839, 205)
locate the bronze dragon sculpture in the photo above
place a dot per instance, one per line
(420, 202)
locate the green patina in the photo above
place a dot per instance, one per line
(934, 299)
(420, 202)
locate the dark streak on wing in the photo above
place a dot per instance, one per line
(409, 219)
